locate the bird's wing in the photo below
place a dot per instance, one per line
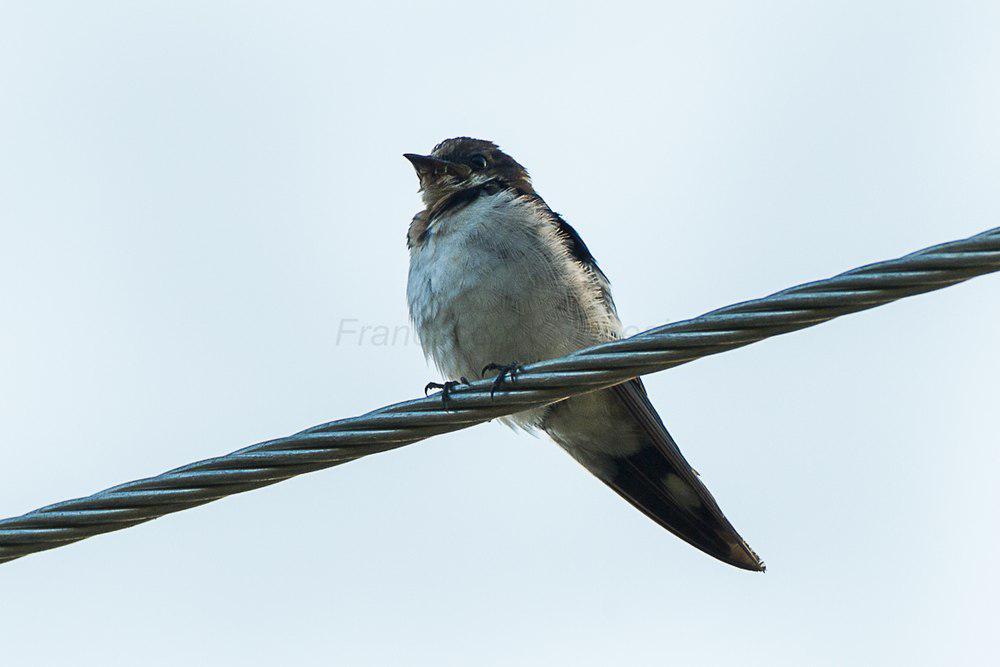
(579, 251)
(619, 437)
(652, 487)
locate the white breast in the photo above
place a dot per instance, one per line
(493, 283)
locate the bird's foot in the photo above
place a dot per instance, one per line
(445, 388)
(504, 374)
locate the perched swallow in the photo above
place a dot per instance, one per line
(496, 276)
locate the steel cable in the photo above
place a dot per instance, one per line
(541, 383)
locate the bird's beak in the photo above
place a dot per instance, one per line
(427, 165)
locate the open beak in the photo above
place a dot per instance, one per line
(427, 165)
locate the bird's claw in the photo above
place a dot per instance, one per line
(505, 373)
(446, 388)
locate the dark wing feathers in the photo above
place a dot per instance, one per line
(579, 251)
(658, 480)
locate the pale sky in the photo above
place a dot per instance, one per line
(199, 202)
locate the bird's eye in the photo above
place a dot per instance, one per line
(478, 162)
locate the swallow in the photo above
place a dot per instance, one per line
(497, 279)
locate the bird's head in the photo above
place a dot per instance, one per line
(461, 163)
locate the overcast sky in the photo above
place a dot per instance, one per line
(202, 204)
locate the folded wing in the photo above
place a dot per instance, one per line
(618, 436)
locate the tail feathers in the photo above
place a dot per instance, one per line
(648, 481)
(618, 436)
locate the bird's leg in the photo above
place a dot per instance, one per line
(445, 388)
(504, 374)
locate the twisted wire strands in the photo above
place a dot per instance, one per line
(545, 382)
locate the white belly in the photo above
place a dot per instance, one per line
(492, 283)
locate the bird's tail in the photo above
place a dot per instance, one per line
(618, 436)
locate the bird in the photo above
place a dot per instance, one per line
(496, 280)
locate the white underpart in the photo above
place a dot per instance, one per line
(493, 282)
